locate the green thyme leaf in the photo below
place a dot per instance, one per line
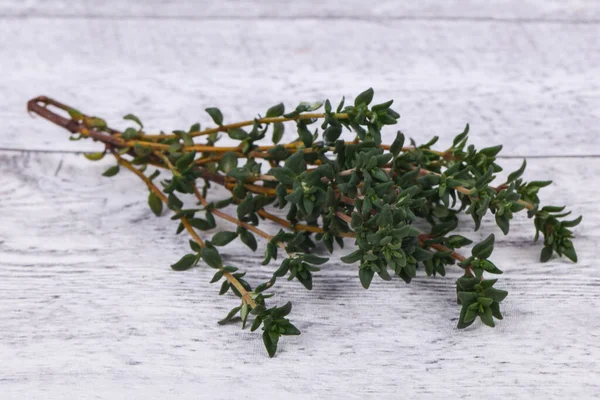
(186, 262)
(133, 118)
(155, 203)
(112, 171)
(216, 115)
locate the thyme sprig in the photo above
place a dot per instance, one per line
(360, 189)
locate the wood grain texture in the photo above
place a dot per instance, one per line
(90, 308)
(532, 87)
(509, 10)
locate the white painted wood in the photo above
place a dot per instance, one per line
(90, 309)
(543, 10)
(533, 87)
(88, 305)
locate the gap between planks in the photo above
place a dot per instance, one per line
(406, 18)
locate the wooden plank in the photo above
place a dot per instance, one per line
(531, 87)
(89, 305)
(510, 10)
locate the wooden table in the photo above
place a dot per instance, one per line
(89, 307)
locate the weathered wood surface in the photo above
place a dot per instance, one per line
(88, 305)
(533, 87)
(511, 10)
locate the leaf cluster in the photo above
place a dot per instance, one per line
(398, 203)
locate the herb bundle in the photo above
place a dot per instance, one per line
(367, 191)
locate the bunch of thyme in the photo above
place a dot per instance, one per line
(332, 189)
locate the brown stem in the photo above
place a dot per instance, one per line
(299, 227)
(343, 216)
(246, 297)
(439, 247)
(233, 220)
(39, 106)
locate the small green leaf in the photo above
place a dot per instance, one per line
(239, 173)
(462, 324)
(282, 311)
(155, 203)
(308, 205)
(244, 311)
(94, 156)
(217, 277)
(276, 111)
(470, 316)
(201, 224)
(459, 138)
(396, 146)
(186, 262)
(95, 122)
(278, 129)
(572, 223)
(484, 249)
(382, 106)
(185, 160)
(316, 260)
(256, 323)
(364, 98)
(246, 206)
(230, 315)
(187, 139)
(353, 257)
(340, 105)
(291, 330)
(421, 254)
(112, 171)
(485, 301)
(173, 202)
(229, 161)
(546, 253)
(284, 175)
(503, 223)
(489, 266)
(248, 239)
(237, 133)
(130, 134)
(467, 298)
(224, 288)
(487, 318)
(491, 151)
(194, 128)
(133, 118)
(366, 276)
(296, 162)
(141, 150)
(496, 294)
(75, 114)
(570, 253)
(515, 175)
(216, 115)
(283, 268)
(195, 246)
(270, 345)
(332, 133)
(223, 238)
(212, 257)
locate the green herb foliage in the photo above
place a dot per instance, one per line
(332, 191)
